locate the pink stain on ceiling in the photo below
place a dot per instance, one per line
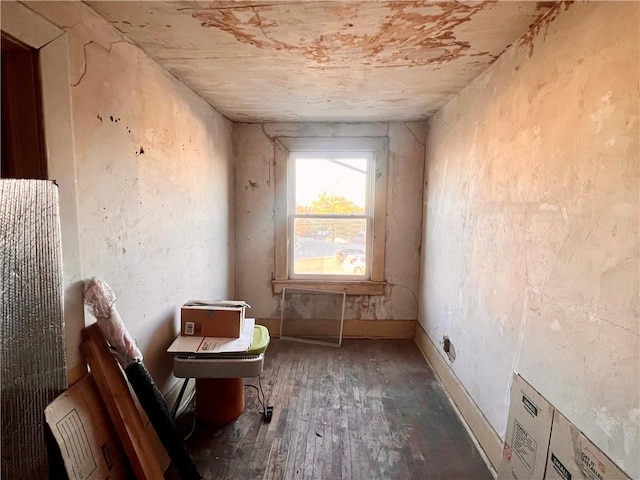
(312, 60)
(549, 11)
(406, 35)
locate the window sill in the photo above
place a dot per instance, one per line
(350, 288)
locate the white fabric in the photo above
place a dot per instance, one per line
(101, 302)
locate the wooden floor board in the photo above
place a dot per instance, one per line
(371, 409)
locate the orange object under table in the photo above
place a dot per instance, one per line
(219, 400)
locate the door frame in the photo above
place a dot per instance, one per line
(51, 42)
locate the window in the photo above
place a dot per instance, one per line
(330, 214)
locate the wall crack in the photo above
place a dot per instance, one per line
(421, 142)
(84, 49)
(84, 65)
(590, 314)
(264, 131)
(255, 12)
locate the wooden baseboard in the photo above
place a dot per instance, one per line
(485, 436)
(358, 328)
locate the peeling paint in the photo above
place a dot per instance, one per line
(550, 11)
(525, 202)
(548, 207)
(256, 145)
(603, 113)
(631, 430)
(406, 36)
(309, 61)
(605, 421)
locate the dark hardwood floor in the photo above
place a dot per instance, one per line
(371, 409)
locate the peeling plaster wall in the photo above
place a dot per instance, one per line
(154, 182)
(255, 196)
(531, 225)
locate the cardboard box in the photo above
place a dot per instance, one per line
(212, 345)
(88, 442)
(572, 456)
(596, 465)
(524, 453)
(563, 447)
(211, 321)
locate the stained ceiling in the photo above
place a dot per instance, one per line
(301, 60)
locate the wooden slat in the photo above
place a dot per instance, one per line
(120, 405)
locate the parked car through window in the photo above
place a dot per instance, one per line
(344, 252)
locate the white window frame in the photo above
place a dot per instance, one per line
(374, 284)
(368, 215)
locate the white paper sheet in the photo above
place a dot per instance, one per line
(215, 344)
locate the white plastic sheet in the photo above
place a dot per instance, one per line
(101, 302)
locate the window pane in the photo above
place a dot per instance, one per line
(337, 186)
(330, 246)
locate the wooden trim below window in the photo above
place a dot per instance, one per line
(350, 288)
